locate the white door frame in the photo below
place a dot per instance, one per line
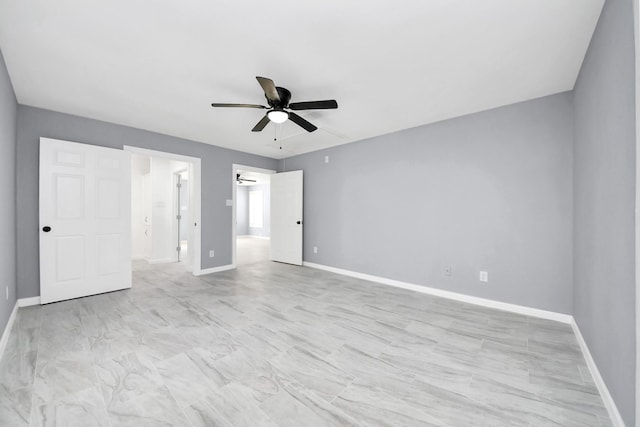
(636, 26)
(175, 228)
(234, 188)
(195, 188)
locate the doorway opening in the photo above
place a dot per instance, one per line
(165, 214)
(251, 214)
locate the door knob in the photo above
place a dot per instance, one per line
(46, 229)
(298, 222)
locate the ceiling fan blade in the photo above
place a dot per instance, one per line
(314, 105)
(302, 122)
(239, 178)
(269, 88)
(217, 104)
(261, 124)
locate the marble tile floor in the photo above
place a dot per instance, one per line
(250, 250)
(271, 344)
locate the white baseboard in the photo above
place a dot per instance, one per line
(214, 269)
(28, 302)
(7, 330)
(614, 414)
(514, 308)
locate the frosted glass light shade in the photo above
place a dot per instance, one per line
(278, 116)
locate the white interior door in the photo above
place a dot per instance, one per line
(85, 224)
(286, 217)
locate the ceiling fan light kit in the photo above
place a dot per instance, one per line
(278, 99)
(277, 116)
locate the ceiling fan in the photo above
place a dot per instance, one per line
(241, 180)
(278, 100)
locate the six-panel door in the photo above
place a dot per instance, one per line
(286, 217)
(85, 203)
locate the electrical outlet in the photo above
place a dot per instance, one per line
(447, 271)
(211, 254)
(315, 249)
(326, 159)
(484, 276)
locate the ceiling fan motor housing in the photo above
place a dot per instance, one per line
(285, 97)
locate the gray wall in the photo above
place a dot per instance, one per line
(604, 202)
(217, 183)
(242, 211)
(8, 115)
(489, 191)
(265, 231)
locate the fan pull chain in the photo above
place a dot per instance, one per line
(275, 134)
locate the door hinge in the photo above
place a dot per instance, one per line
(178, 248)
(178, 216)
(179, 185)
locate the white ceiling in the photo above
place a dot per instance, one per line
(390, 65)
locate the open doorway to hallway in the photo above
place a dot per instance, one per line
(252, 214)
(164, 209)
